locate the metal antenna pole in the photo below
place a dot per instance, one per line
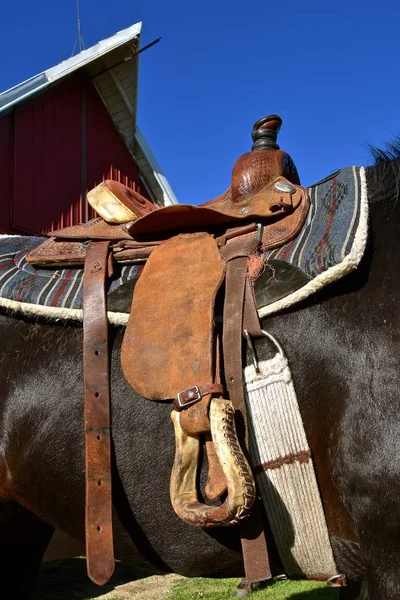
(80, 37)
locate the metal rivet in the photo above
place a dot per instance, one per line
(244, 210)
(284, 186)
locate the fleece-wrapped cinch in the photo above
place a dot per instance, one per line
(283, 466)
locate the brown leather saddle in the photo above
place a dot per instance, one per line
(201, 262)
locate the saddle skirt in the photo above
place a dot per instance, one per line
(330, 244)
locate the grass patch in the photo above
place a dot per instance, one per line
(221, 589)
(67, 580)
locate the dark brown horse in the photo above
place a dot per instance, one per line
(343, 346)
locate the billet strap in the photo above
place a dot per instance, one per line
(254, 547)
(236, 254)
(251, 320)
(98, 503)
(236, 314)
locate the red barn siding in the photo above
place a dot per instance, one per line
(61, 140)
(6, 127)
(107, 156)
(47, 160)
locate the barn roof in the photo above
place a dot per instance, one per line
(112, 66)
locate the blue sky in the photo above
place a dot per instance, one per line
(330, 70)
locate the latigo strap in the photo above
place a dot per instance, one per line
(98, 504)
(240, 312)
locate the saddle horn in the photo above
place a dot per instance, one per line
(265, 162)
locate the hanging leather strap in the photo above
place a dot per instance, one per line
(98, 504)
(236, 254)
(237, 289)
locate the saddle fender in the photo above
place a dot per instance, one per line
(240, 482)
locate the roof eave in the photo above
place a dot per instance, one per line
(73, 64)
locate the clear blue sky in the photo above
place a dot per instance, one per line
(331, 70)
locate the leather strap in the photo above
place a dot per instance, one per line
(237, 290)
(98, 504)
(254, 546)
(195, 394)
(251, 321)
(236, 254)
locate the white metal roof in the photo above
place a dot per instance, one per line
(23, 90)
(117, 87)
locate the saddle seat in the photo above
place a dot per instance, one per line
(264, 187)
(260, 189)
(267, 203)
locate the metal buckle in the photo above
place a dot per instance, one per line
(336, 581)
(196, 390)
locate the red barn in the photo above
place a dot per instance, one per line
(65, 130)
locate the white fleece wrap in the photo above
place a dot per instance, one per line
(55, 313)
(284, 470)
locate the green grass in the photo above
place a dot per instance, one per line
(67, 580)
(222, 589)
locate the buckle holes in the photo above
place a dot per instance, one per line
(98, 528)
(99, 482)
(231, 379)
(96, 352)
(97, 394)
(99, 437)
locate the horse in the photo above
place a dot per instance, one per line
(342, 345)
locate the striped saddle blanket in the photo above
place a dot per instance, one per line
(330, 244)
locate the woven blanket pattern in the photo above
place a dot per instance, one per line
(284, 470)
(333, 238)
(58, 290)
(330, 227)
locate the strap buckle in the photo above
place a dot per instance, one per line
(192, 395)
(336, 581)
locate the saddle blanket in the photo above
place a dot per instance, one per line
(330, 244)
(53, 293)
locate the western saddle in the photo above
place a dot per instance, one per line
(201, 263)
